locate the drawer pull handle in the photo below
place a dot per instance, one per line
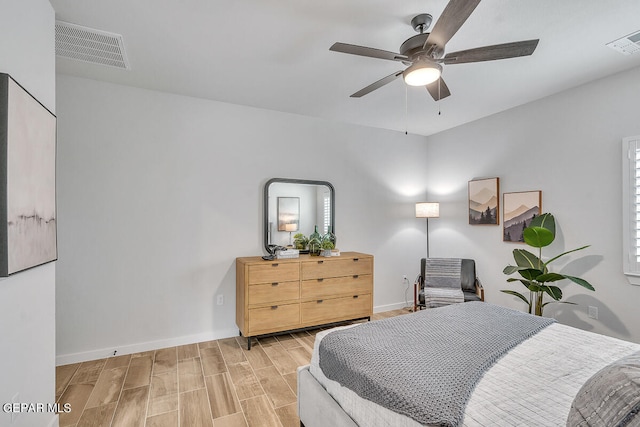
(355, 296)
(320, 262)
(355, 276)
(319, 301)
(275, 284)
(320, 280)
(274, 264)
(274, 307)
(356, 259)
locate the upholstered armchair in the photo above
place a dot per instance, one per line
(443, 282)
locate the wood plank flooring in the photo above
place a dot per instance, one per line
(209, 384)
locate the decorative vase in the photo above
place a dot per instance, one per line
(314, 246)
(329, 237)
(315, 235)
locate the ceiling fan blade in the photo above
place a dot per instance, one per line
(367, 51)
(373, 86)
(453, 16)
(490, 53)
(438, 89)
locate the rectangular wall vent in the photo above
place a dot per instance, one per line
(90, 45)
(628, 44)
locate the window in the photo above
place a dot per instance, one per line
(631, 208)
(326, 212)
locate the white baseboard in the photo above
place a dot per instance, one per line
(389, 307)
(66, 359)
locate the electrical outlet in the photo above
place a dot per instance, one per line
(593, 312)
(220, 300)
(404, 277)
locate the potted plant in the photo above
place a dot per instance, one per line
(326, 246)
(534, 272)
(300, 241)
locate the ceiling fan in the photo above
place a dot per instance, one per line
(424, 53)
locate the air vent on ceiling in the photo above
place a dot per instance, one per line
(628, 44)
(90, 45)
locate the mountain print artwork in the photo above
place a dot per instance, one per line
(519, 209)
(484, 201)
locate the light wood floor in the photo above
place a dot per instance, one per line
(215, 383)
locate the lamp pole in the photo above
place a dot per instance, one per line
(428, 210)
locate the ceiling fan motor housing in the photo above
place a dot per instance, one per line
(413, 48)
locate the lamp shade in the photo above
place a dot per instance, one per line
(422, 73)
(428, 210)
(291, 227)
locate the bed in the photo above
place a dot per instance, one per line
(553, 375)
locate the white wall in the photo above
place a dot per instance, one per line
(158, 194)
(568, 146)
(27, 317)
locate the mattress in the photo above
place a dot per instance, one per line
(532, 385)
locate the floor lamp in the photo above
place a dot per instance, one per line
(428, 210)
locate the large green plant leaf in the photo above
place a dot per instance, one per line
(554, 277)
(510, 269)
(550, 277)
(538, 237)
(564, 253)
(581, 282)
(531, 274)
(546, 220)
(517, 294)
(534, 287)
(529, 284)
(526, 259)
(553, 291)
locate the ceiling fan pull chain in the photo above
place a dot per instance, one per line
(406, 112)
(439, 97)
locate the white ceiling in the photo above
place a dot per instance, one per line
(274, 54)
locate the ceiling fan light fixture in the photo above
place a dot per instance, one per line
(422, 73)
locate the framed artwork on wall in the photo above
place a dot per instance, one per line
(484, 202)
(27, 180)
(288, 213)
(519, 209)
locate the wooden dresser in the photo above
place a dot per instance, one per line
(288, 294)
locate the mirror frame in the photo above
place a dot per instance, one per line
(265, 203)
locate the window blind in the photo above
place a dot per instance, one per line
(631, 206)
(326, 213)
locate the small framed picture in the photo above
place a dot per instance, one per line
(484, 202)
(288, 213)
(519, 209)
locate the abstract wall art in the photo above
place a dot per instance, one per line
(27, 180)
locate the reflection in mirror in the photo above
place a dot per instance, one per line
(294, 206)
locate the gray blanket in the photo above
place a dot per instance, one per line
(426, 364)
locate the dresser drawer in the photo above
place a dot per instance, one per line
(270, 272)
(336, 267)
(335, 309)
(273, 318)
(268, 293)
(335, 286)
